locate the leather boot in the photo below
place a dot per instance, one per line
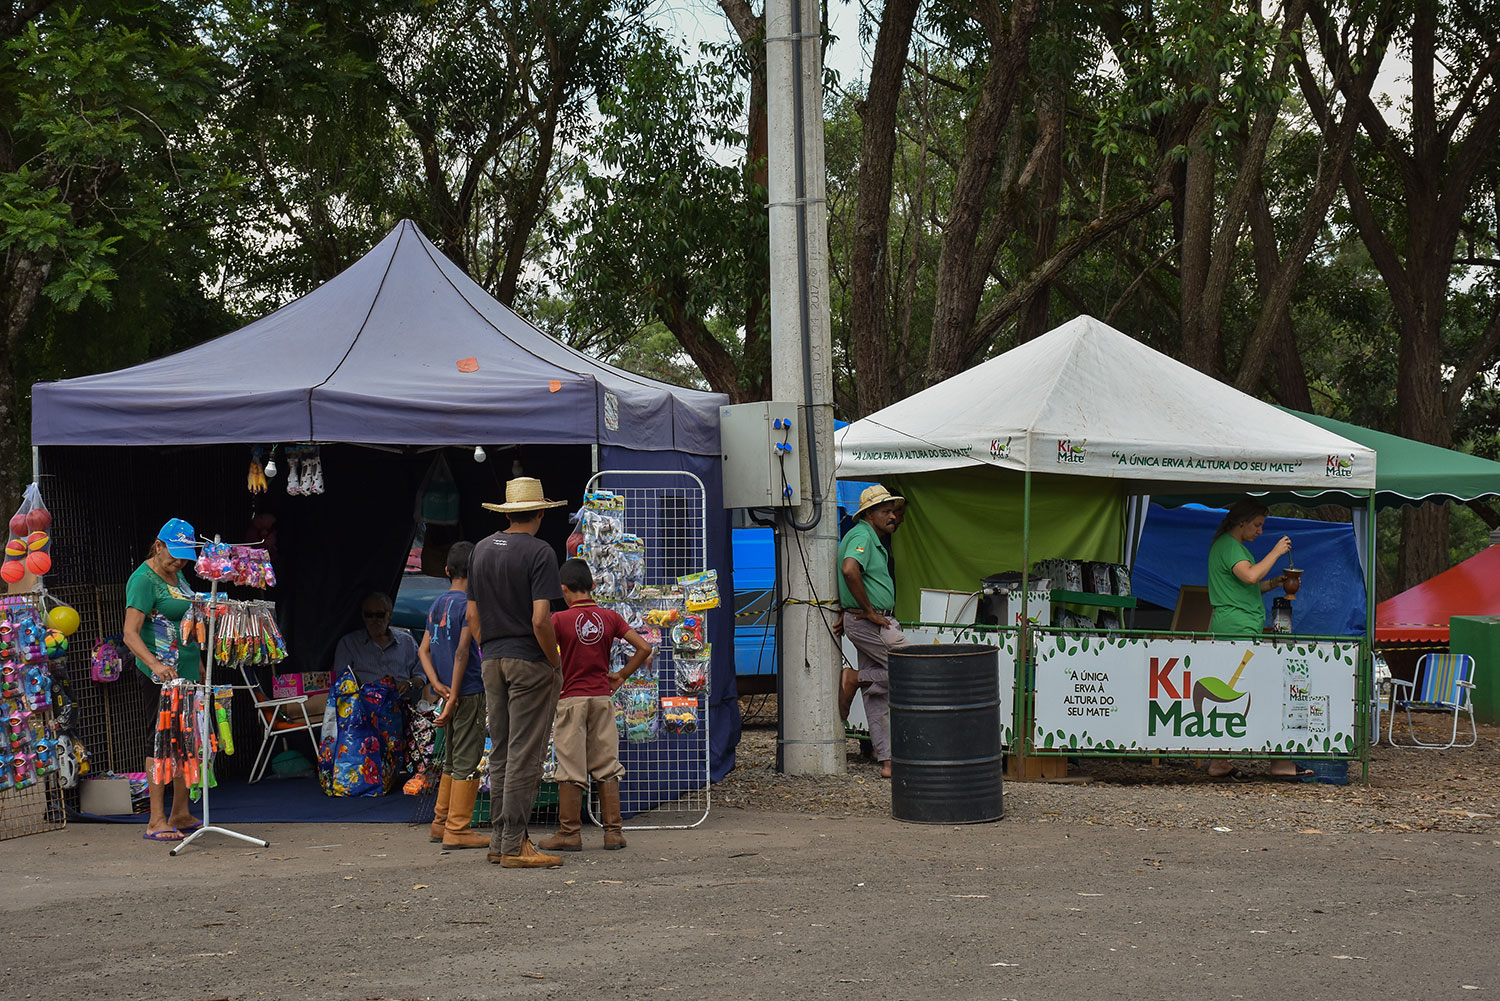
(528, 858)
(569, 836)
(440, 811)
(459, 833)
(609, 814)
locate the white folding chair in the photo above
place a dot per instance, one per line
(279, 718)
(1442, 684)
(1380, 700)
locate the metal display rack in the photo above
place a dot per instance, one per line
(208, 685)
(666, 783)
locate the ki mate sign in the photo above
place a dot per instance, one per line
(1112, 694)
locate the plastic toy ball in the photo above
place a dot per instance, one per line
(39, 518)
(15, 549)
(38, 563)
(63, 619)
(19, 525)
(12, 571)
(56, 644)
(37, 540)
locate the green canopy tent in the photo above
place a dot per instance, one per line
(1409, 472)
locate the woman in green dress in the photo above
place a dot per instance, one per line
(159, 588)
(1236, 581)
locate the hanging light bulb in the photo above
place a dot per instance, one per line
(270, 469)
(479, 455)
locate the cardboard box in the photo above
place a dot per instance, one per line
(106, 796)
(288, 686)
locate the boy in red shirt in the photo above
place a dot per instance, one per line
(585, 739)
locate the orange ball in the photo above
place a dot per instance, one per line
(15, 549)
(39, 563)
(37, 540)
(12, 571)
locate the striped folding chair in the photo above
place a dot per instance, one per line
(1442, 684)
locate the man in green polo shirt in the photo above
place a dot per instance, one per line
(868, 597)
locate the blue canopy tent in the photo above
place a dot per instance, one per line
(385, 366)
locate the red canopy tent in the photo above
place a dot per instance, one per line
(1420, 615)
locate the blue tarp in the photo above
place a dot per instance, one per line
(1174, 551)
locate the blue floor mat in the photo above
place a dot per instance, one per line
(288, 801)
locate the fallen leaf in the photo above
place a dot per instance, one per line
(419, 886)
(535, 976)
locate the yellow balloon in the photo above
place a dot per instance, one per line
(63, 619)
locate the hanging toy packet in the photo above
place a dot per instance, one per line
(680, 713)
(701, 590)
(29, 546)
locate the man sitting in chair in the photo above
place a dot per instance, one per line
(378, 651)
(373, 729)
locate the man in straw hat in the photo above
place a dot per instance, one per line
(868, 596)
(512, 584)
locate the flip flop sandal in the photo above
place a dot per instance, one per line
(172, 835)
(1233, 775)
(184, 831)
(1301, 775)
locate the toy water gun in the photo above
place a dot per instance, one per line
(46, 758)
(223, 698)
(25, 770)
(37, 685)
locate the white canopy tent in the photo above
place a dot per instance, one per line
(1087, 400)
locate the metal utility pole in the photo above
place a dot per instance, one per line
(812, 739)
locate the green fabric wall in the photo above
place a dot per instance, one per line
(965, 524)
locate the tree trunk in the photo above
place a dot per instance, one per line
(1036, 316)
(1434, 175)
(716, 364)
(755, 377)
(869, 301)
(961, 273)
(529, 210)
(1200, 332)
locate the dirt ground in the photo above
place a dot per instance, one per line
(1151, 883)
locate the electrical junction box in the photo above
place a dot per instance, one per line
(761, 445)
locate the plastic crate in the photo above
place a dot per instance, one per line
(544, 807)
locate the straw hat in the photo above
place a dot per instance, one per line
(875, 496)
(524, 494)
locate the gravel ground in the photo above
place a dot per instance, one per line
(1408, 790)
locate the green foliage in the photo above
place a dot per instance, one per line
(669, 218)
(100, 118)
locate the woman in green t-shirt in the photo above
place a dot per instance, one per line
(158, 587)
(1236, 582)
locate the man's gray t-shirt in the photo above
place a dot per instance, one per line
(509, 571)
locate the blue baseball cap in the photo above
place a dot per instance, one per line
(179, 537)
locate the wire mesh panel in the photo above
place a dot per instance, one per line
(646, 532)
(32, 810)
(107, 504)
(30, 757)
